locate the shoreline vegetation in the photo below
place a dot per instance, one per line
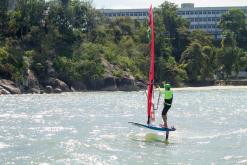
(66, 45)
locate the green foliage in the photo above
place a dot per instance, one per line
(193, 58)
(170, 71)
(76, 42)
(171, 30)
(243, 60)
(229, 56)
(12, 64)
(235, 21)
(3, 18)
(208, 63)
(201, 37)
(229, 40)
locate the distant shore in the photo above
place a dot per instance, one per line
(9, 87)
(217, 87)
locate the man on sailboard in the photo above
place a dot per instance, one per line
(168, 97)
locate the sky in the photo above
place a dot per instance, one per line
(132, 4)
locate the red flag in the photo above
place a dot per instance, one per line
(150, 110)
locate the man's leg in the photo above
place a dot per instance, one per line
(164, 117)
(164, 114)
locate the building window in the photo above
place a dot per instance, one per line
(209, 12)
(209, 19)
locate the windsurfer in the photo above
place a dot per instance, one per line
(168, 97)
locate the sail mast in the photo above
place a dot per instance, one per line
(150, 109)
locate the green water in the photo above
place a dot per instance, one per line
(92, 129)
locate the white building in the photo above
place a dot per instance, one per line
(133, 13)
(204, 18)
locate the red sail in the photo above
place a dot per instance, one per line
(150, 110)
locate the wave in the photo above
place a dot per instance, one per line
(240, 131)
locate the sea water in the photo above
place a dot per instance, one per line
(92, 128)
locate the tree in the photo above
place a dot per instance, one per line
(202, 37)
(172, 29)
(192, 58)
(27, 14)
(228, 55)
(235, 21)
(3, 18)
(229, 40)
(208, 63)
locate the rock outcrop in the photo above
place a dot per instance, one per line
(48, 89)
(8, 86)
(31, 84)
(3, 91)
(78, 85)
(126, 84)
(105, 84)
(112, 83)
(55, 83)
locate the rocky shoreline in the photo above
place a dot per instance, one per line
(54, 85)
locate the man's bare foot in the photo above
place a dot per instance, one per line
(163, 126)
